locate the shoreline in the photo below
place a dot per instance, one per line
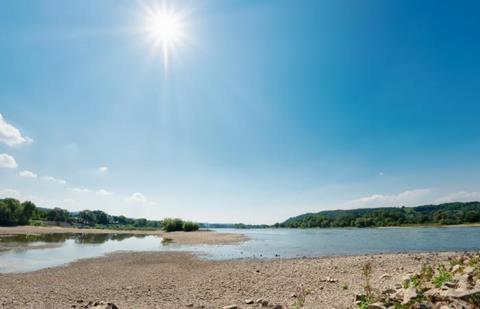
(183, 280)
(182, 238)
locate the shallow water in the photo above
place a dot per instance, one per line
(32, 252)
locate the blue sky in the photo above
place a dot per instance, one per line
(267, 109)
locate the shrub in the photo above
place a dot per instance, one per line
(172, 225)
(189, 226)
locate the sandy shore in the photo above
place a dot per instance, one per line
(180, 280)
(190, 238)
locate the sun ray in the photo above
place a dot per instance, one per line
(165, 28)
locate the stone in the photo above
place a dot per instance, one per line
(469, 270)
(249, 301)
(376, 306)
(409, 294)
(385, 276)
(456, 268)
(264, 303)
(231, 307)
(450, 284)
(463, 294)
(278, 307)
(331, 280)
(103, 305)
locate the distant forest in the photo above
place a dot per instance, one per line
(443, 214)
(13, 212)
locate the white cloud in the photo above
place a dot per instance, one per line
(7, 161)
(406, 198)
(103, 192)
(56, 180)
(27, 174)
(102, 169)
(137, 197)
(11, 136)
(81, 190)
(9, 193)
(460, 196)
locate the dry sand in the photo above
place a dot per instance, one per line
(181, 280)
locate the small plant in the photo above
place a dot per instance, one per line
(345, 287)
(166, 241)
(442, 276)
(367, 298)
(426, 274)
(301, 296)
(365, 302)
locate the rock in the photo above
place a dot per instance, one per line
(259, 301)
(384, 276)
(190, 305)
(450, 284)
(464, 281)
(331, 280)
(469, 270)
(398, 286)
(231, 307)
(398, 295)
(294, 295)
(463, 294)
(456, 268)
(102, 305)
(264, 303)
(409, 294)
(249, 301)
(278, 307)
(376, 306)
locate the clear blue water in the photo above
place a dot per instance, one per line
(22, 254)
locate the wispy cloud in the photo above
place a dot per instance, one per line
(11, 136)
(81, 190)
(103, 192)
(9, 193)
(27, 174)
(406, 198)
(459, 196)
(137, 197)
(7, 161)
(56, 180)
(102, 169)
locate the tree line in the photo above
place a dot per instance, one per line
(443, 214)
(14, 212)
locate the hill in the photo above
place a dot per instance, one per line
(443, 214)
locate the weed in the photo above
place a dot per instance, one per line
(166, 241)
(442, 276)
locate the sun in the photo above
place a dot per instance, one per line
(165, 29)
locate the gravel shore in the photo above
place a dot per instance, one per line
(181, 280)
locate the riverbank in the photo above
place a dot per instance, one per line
(181, 280)
(183, 238)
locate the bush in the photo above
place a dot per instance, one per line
(172, 225)
(189, 226)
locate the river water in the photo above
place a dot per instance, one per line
(25, 253)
